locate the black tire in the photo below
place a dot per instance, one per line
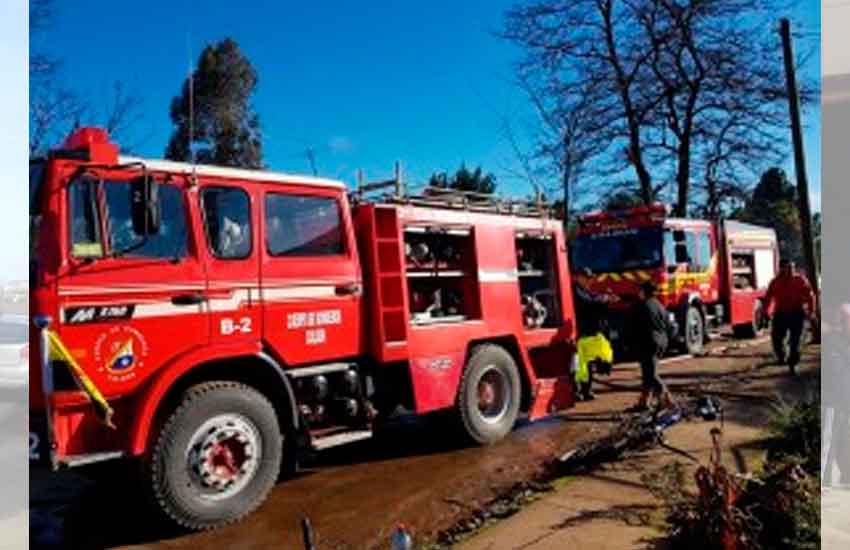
(694, 331)
(177, 488)
(497, 365)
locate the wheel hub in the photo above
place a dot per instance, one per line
(695, 328)
(486, 395)
(493, 397)
(223, 455)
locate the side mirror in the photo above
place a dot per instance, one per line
(144, 205)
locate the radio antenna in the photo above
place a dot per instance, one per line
(191, 107)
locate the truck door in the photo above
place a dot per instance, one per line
(232, 252)
(311, 283)
(123, 297)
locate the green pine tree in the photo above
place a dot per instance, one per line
(465, 180)
(226, 130)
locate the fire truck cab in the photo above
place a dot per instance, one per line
(231, 316)
(707, 273)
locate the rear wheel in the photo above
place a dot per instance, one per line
(694, 331)
(217, 456)
(489, 396)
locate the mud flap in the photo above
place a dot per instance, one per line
(551, 395)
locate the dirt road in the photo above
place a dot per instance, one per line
(412, 473)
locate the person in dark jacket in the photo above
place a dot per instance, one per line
(591, 307)
(650, 326)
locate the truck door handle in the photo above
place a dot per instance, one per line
(188, 299)
(352, 289)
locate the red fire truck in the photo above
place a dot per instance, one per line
(707, 273)
(229, 316)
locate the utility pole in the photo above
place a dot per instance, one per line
(800, 166)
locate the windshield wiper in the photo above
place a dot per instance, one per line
(131, 248)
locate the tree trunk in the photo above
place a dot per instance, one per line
(566, 180)
(683, 177)
(635, 151)
(683, 170)
(645, 180)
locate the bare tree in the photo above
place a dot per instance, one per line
(123, 117)
(51, 106)
(53, 112)
(583, 54)
(683, 92)
(55, 109)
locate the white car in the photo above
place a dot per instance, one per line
(14, 352)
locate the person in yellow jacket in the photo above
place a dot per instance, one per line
(593, 350)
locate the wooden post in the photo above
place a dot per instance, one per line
(800, 166)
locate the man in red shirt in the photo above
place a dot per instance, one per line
(791, 299)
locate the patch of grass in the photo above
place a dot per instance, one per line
(795, 431)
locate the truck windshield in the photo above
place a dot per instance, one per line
(90, 200)
(618, 250)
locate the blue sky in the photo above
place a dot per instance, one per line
(365, 83)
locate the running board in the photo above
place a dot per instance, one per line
(73, 461)
(328, 441)
(318, 369)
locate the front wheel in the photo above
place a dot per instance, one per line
(694, 331)
(217, 456)
(488, 401)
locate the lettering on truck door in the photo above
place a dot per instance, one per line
(310, 273)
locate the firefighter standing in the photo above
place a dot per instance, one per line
(651, 325)
(792, 301)
(590, 306)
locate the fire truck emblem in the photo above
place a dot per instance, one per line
(124, 358)
(119, 352)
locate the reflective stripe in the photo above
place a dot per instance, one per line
(117, 289)
(298, 292)
(233, 302)
(162, 309)
(497, 276)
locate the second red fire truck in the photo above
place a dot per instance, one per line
(707, 273)
(222, 317)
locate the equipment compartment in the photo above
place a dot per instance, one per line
(441, 274)
(743, 270)
(538, 282)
